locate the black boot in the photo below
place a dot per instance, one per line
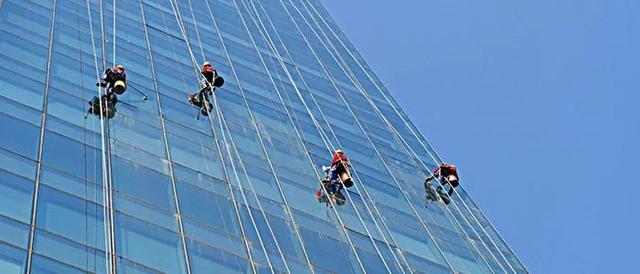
(339, 198)
(444, 196)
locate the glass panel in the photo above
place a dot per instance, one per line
(16, 194)
(68, 252)
(17, 164)
(206, 259)
(329, 253)
(71, 156)
(70, 216)
(210, 208)
(13, 232)
(143, 183)
(44, 265)
(12, 260)
(149, 245)
(19, 136)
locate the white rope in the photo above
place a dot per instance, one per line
(300, 137)
(206, 103)
(174, 187)
(114, 33)
(324, 189)
(267, 38)
(227, 179)
(287, 207)
(107, 234)
(362, 91)
(222, 120)
(241, 187)
(108, 130)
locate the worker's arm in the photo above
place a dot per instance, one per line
(436, 171)
(345, 161)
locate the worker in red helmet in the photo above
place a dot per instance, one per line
(448, 175)
(208, 84)
(337, 177)
(209, 72)
(340, 167)
(114, 79)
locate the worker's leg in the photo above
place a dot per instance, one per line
(445, 198)
(346, 179)
(431, 192)
(452, 180)
(450, 190)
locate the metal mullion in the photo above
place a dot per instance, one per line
(34, 203)
(283, 196)
(166, 142)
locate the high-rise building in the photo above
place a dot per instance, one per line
(162, 188)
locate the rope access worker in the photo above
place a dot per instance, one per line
(209, 83)
(114, 80)
(108, 102)
(337, 177)
(448, 175)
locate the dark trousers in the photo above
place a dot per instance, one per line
(335, 184)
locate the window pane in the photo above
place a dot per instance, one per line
(326, 249)
(70, 216)
(13, 232)
(149, 245)
(69, 155)
(15, 197)
(148, 185)
(68, 252)
(206, 259)
(17, 164)
(12, 260)
(210, 208)
(43, 265)
(19, 136)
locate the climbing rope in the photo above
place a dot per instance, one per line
(233, 145)
(183, 31)
(110, 267)
(266, 37)
(84, 152)
(287, 207)
(114, 33)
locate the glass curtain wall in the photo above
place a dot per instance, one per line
(162, 189)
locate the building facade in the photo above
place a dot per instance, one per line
(161, 189)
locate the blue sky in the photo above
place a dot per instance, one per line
(543, 96)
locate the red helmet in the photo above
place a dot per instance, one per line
(120, 67)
